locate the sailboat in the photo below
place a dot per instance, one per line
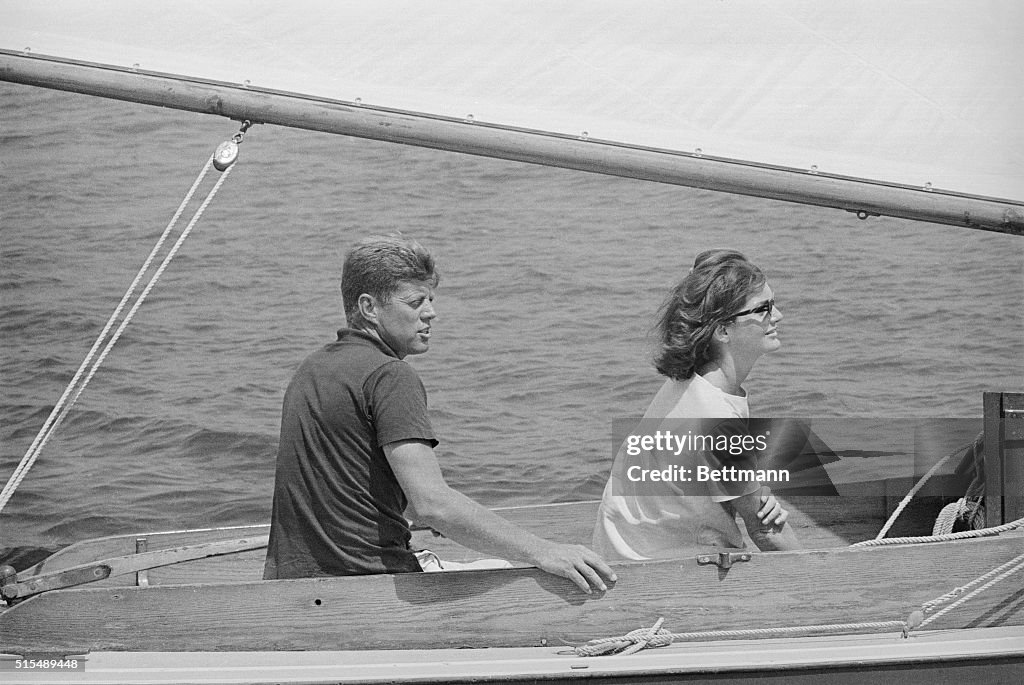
(900, 111)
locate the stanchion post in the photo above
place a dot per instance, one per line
(1004, 457)
(1013, 456)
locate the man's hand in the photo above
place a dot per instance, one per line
(577, 563)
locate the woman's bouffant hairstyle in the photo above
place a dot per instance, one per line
(377, 265)
(718, 285)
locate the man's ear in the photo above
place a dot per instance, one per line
(368, 308)
(720, 334)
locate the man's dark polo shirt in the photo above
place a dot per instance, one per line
(338, 508)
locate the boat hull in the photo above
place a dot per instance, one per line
(523, 607)
(988, 655)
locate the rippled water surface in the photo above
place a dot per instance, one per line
(550, 282)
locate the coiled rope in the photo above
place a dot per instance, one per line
(656, 636)
(975, 445)
(969, 509)
(223, 159)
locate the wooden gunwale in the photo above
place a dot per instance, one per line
(818, 521)
(522, 607)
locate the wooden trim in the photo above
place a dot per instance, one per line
(993, 403)
(1012, 444)
(535, 147)
(31, 582)
(820, 522)
(521, 607)
(979, 655)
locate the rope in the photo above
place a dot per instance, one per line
(629, 643)
(56, 416)
(656, 636)
(924, 479)
(967, 509)
(948, 517)
(953, 594)
(1000, 573)
(949, 513)
(962, 535)
(67, 399)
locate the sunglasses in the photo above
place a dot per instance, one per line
(765, 309)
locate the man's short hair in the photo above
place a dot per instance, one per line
(377, 265)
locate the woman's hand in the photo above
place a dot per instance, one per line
(765, 521)
(771, 512)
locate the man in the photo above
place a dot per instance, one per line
(357, 445)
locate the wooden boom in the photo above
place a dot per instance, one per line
(862, 196)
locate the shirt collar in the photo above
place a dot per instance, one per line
(353, 334)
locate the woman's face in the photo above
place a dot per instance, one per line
(755, 333)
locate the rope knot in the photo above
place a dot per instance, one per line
(630, 643)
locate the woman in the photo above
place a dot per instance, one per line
(681, 477)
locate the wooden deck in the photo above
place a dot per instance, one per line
(978, 655)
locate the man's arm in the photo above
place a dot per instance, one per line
(475, 526)
(756, 509)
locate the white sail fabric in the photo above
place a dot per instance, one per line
(915, 92)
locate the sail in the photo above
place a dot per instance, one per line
(915, 94)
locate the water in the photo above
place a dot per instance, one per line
(550, 281)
